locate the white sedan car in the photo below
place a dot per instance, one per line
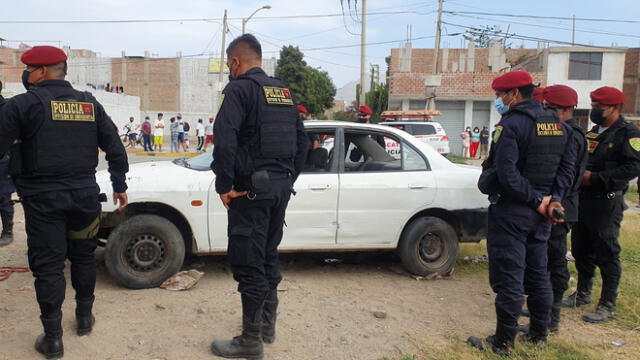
(364, 187)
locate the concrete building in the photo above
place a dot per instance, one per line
(464, 95)
(151, 84)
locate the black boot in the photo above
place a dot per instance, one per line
(249, 344)
(582, 296)
(537, 333)
(49, 344)
(501, 343)
(554, 319)
(6, 237)
(84, 317)
(269, 315)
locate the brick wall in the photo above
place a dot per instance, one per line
(456, 80)
(10, 65)
(155, 81)
(631, 85)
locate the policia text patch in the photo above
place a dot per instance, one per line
(277, 95)
(72, 111)
(549, 129)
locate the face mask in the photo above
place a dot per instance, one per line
(501, 108)
(25, 79)
(597, 116)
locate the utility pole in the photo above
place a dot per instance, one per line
(221, 75)
(573, 33)
(436, 51)
(363, 53)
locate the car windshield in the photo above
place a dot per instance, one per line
(201, 162)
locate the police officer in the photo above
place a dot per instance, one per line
(364, 114)
(260, 149)
(532, 170)
(564, 99)
(614, 159)
(6, 189)
(60, 130)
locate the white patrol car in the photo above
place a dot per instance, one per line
(352, 195)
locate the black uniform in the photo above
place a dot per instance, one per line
(60, 130)
(6, 189)
(614, 160)
(260, 147)
(557, 252)
(531, 160)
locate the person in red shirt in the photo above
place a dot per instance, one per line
(146, 134)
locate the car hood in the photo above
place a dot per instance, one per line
(147, 175)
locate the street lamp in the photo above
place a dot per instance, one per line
(246, 20)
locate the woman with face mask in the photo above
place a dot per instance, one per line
(475, 142)
(466, 138)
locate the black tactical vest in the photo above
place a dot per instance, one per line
(604, 148)
(545, 148)
(275, 136)
(66, 139)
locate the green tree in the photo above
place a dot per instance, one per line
(291, 69)
(311, 87)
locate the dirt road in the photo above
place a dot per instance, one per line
(327, 312)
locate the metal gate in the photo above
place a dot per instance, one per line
(452, 120)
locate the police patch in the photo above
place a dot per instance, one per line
(635, 143)
(277, 95)
(591, 135)
(549, 129)
(592, 145)
(496, 134)
(72, 111)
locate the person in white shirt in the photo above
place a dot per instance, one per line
(208, 132)
(132, 132)
(200, 134)
(158, 133)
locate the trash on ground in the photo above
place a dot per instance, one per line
(332, 261)
(618, 342)
(378, 314)
(477, 259)
(184, 280)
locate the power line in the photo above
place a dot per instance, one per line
(543, 17)
(266, 18)
(593, 31)
(527, 38)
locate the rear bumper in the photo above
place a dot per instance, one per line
(473, 224)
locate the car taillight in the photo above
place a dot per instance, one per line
(444, 138)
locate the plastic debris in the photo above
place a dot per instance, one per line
(478, 259)
(618, 342)
(184, 280)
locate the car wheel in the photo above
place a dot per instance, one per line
(428, 245)
(144, 251)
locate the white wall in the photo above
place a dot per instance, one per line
(612, 72)
(118, 106)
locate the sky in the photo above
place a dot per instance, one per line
(328, 42)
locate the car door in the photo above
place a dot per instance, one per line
(382, 189)
(312, 214)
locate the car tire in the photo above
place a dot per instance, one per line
(428, 245)
(144, 251)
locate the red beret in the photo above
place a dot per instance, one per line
(302, 109)
(43, 56)
(560, 95)
(364, 109)
(511, 80)
(607, 95)
(537, 93)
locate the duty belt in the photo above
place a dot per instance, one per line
(279, 175)
(602, 195)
